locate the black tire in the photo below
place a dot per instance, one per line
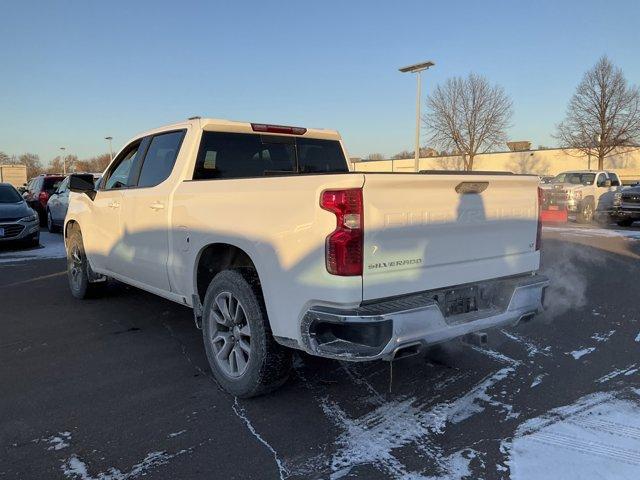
(42, 217)
(78, 268)
(267, 364)
(32, 242)
(587, 212)
(627, 222)
(50, 225)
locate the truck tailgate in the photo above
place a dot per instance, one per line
(424, 232)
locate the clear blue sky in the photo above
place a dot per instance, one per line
(72, 72)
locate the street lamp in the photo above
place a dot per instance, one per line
(417, 69)
(64, 161)
(108, 139)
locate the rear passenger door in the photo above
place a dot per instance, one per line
(145, 213)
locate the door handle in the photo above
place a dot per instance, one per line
(156, 206)
(114, 204)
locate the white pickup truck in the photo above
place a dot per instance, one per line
(265, 233)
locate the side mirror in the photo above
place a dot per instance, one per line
(80, 185)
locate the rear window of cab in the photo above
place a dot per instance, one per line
(244, 155)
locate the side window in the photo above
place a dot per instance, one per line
(241, 155)
(601, 179)
(64, 186)
(118, 176)
(160, 158)
(615, 180)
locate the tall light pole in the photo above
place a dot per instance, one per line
(417, 69)
(108, 139)
(64, 161)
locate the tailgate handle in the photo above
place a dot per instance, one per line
(471, 187)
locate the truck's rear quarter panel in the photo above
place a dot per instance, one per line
(279, 223)
(421, 234)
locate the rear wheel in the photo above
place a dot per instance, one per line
(626, 222)
(50, 225)
(78, 269)
(243, 355)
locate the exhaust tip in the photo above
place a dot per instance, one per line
(527, 318)
(406, 351)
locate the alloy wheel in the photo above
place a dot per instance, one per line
(230, 335)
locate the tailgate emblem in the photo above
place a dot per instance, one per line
(471, 187)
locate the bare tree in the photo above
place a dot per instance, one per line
(375, 156)
(403, 154)
(95, 164)
(603, 114)
(468, 116)
(4, 158)
(32, 162)
(57, 166)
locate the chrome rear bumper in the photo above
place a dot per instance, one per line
(379, 330)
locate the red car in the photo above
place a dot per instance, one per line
(38, 191)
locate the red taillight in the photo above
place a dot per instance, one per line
(344, 245)
(539, 230)
(43, 197)
(262, 127)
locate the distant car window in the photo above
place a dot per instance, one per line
(575, 178)
(243, 155)
(8, 194)
(601, 179)
(615, 180)
(119, 177)
(64, 186)
(50, 184)
(160, 158)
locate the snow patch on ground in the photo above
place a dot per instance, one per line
(532, 348)
(59, 441)
(602, 337)
(594, 232)
(597, 437)
(175, 434)
(75, 468)
(372, 438)
(538, 380)
(51, 246)
(638, 337)
(241, 414)
(630, 370)
(577, 354)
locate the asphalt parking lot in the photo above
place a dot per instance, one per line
(118, 387)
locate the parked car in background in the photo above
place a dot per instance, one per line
(38, 191)
(18, 221)
(58, 202)
(582, 193)
(545, 182)
(626, 206)
(265, 233)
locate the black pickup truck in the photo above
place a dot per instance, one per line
(626, 206)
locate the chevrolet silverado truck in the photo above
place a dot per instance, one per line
(584, 194)
(265, 233)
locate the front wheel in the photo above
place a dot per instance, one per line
(586, 212)
(627, 222)
(78, 269)
(243, 355)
